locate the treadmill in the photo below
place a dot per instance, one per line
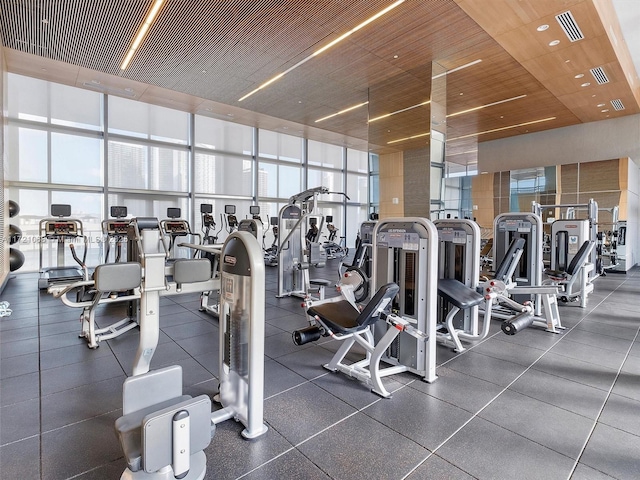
(60, 228)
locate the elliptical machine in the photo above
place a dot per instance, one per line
(332, 248)
(115, 229)
(271, 253)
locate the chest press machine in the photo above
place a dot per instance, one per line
(251, 225)
(162, 432)
(145, 277)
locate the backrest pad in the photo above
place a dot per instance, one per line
(517, 245)
(379, 302)
(580, 257)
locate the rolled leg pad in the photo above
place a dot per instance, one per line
(517, 323)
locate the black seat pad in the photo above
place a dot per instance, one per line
(458, 294)
(339, 316)
(556, 274)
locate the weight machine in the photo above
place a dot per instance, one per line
(297, 253)
(162, 432)
(458, 276)
(405, 252)
(146, 248)
(588, 232)
(567, 237)
(528, 226)
(398, 325)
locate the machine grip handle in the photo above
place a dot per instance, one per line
(181, 444)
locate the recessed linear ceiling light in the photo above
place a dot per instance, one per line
(504, 128)
(479, 133)
(487, 105)
(374, 119)
(142, 32)
(466, 65)
(326, 47)
(409, 138)
(451, 114)
(342, 111)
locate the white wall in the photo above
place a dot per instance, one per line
(4, 215)
(586, 142)
(633, 215)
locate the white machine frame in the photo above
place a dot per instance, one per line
(241, 353)
(401, 237)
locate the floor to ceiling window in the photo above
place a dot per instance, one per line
(92, 150)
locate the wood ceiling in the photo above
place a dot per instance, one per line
(203, 56)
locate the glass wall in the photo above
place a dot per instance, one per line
(64, 148)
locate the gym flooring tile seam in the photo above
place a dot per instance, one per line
(327, 382)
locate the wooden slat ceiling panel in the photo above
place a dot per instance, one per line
(218, 51)
(94, 37)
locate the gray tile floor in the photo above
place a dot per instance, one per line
(530, 406)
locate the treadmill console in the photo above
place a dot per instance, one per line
(61, 228)
(176, 227)
(232, 220)
(115, 227)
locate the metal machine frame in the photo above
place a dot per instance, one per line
(146, 246)
(592, 217)
(508, 226)
(405, 251)
(459, 259)
(242, 322)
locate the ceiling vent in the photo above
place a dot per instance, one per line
(569, 25)
(617, 104)
(599, 75)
